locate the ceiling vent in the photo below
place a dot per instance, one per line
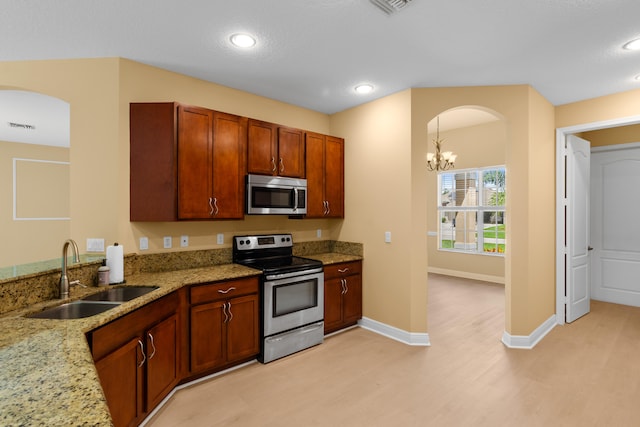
(390, 6)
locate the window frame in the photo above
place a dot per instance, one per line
(480, 209)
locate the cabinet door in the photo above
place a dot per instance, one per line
(208, 335)
(291, 149)
(262, 148)
(352, 300)
(162, 360)
(242, 328)
(332, 304)
(121, 379)
(334, 176)
(229, 165)
(315, 175)
(194, 162)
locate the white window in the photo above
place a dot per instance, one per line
(471, 210)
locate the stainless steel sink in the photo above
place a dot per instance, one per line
(75, 310)
(126, 293)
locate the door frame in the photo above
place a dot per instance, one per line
(561, 137)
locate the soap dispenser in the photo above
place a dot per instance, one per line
(103, 274)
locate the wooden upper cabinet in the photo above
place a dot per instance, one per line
(291, 152)
(262, 147)
(275, 150)
(153, 161)
(325, 176)
(186, 163)
(195, 153)
(229, 165)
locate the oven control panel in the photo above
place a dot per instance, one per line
(267, 241)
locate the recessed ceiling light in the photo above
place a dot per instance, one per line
(242, 40)
(364, 88)
(632, 45)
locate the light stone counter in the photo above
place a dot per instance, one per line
(47, 375)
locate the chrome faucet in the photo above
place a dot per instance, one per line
(64, 280)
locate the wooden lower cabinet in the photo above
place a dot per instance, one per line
(224, 324)
(137, 360)
(121, 380)
(342, 295)
(141, 356)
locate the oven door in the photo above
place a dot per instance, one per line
(292, 302)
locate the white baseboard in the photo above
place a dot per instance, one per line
(467, 275)
(410, 338)
(529, 341)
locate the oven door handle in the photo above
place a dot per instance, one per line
(295, 196)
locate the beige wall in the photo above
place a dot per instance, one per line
(385, 179)
(378, 199)
(386, 159)
(612, 136)
(99, 92)
(477, 146)
(33, 240)
(610, 107)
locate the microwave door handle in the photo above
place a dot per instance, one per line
(295, 195)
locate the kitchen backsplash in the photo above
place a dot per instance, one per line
(29, 289)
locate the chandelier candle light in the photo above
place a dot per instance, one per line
(440, 161)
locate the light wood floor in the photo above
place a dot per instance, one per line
(583, 374)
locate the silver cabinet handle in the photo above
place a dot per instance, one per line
(153, 345)
(346, 286)
(325, 204)
(343, 270)
(233, 288)
(144, 356)
(215, 205)
(229, 310)
(211, 205)
(344, 289)
(281, 165)
(273, 164)
(328, 208)
(224, 310)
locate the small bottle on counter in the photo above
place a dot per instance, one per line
(103, 274)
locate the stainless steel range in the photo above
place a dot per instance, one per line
(292, 294)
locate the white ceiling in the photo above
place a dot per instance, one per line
(312, 53)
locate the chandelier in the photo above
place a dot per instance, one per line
(440, 161)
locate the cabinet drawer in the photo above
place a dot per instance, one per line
(223, 290)
(342, 269)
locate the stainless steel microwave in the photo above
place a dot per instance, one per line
(276, 195)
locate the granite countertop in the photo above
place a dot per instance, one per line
(48, 376)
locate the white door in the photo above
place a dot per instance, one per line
(577, 228)
(615, 226)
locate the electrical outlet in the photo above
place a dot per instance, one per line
(220, 238)
(144, 243)
(184, 241)
(319, 233)
(95, 245)
(387, 237)
(167, 242)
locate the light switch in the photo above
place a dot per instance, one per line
(144, 243)
(167, 242)
(220, 238)
(319, 233)
(387, 237)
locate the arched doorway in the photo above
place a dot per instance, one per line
(466, 240)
